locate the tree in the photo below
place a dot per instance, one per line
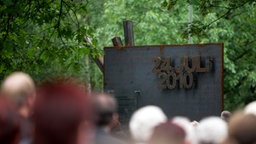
(166, 22)
(233, 23)
(45, 38)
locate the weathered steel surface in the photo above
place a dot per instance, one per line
(117, 41)
(129, 73)
(128, 33)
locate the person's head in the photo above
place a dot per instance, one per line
(212, 130)
(9, 123)
(188, 127)
(61, 114)
(143, 122)
(250, 108)
(226, 115)
(242, 129)
(105, 109)
(168, 133)
(19, 88)
(194, 123)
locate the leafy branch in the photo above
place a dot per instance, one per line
(7, 28)
(59, 20)
(226, 14)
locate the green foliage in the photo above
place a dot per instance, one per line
(232, 23)
(45, 38)
(166, 22)
(153, 24)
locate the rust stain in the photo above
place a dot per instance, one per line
(161, 48)
(202, 44)
(119, 47)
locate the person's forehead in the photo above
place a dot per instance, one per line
(18, 79)
(105, 100)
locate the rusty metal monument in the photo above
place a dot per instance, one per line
(184, 80)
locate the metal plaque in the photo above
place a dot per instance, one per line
(184, 80)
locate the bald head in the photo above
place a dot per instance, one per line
(106, 101)
(105, 108)
(18, 88)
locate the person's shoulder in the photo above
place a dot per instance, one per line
(102, 137)
(26, 141)
(118, 141)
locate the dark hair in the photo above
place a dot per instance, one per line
(58, 110)
(242, 128)
(9, 123)
(225, 115)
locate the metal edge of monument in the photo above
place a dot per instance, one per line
(184, 80)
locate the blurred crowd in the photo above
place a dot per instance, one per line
(66, 111)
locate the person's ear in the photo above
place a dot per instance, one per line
(115, 117)
(31, 100)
